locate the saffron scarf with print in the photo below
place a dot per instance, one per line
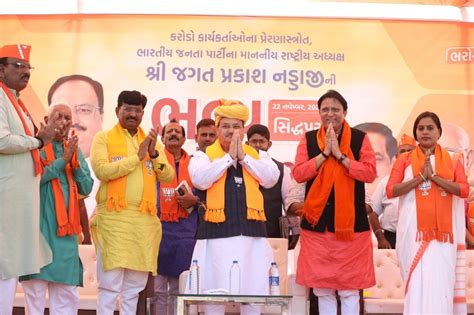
(215, 195)
(68, 221)
(170, 211)
(117, 149)
(434, 208)
(331, 173)
(20, 110)
(470, 218)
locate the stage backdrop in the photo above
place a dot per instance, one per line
(389, 71)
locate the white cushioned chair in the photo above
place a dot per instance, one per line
(388, 293)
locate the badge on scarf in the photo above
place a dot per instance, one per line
(424, 187)
(168, 193)
(149, 167)
(238, 180)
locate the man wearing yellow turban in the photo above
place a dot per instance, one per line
(385, 229)
(228, 177)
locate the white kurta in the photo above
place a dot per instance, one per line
(215, 256)
(433, 284)
(386, 208)
(23, 250)
(90, 201)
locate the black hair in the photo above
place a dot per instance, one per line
(431, 115)
(96, 86)
(132, 98)
(260, 130)
(391, 145)
(333, 94)
(173, 120)
(206, 122)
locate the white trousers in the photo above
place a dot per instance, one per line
(120, 281)
(164, 287)
(63, 298)
(328, 304)
(7, 295)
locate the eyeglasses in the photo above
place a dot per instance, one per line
(228, 127)
(85, 109)
(20, 65)
(326, 110)
(132, 109)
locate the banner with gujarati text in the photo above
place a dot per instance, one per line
(389, 71)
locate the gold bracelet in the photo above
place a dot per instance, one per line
(422, 177)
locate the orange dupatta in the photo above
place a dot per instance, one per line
(117, 148)
(470, 218)
(331, 173)
(215, 195)
(434, 210)
(170, 211)
(19, 107)
(72, 224)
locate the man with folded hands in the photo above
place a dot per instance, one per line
(232, 219)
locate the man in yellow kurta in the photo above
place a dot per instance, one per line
(126, 230)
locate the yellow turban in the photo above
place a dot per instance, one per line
(231, 109)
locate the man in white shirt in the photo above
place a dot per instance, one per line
(23, 249)
(232, 218)
(258, 137)
(384, 217)
(206, 133)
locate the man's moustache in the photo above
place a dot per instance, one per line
(78, 127)
(173, 138)
(25, 76)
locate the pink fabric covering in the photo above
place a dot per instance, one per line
(326, 263)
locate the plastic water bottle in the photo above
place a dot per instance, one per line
(274, 279)
(234, 278)
(194, 278)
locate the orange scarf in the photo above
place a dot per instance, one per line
(215, 195)
(331, 173)
(170, 211)
(71, 225)
(21, 110)
(434, 211)
(470, 218)
(117, 148)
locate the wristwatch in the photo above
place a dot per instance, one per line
(41, 142)
(342, 158)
